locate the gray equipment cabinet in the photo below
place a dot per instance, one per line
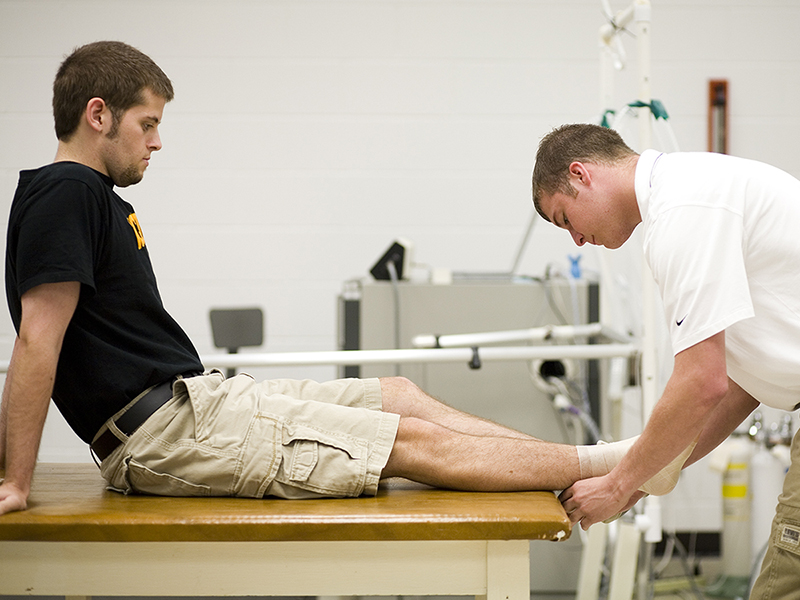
(380, 315)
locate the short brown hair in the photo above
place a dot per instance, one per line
(113, 71)
(564, 145)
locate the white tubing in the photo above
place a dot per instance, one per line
(535, 334)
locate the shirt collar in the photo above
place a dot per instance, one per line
(643, 178)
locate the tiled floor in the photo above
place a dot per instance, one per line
(672, 585)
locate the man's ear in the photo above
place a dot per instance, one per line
(579, 174)
(97, 114)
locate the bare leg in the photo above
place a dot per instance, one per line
(401, 396)
(441, 446)
(438, 456)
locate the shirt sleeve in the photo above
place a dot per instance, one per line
(59, 234)
(696, 255)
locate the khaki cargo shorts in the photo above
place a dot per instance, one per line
(780, 572)
(240, 437)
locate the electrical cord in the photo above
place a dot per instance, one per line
(585, 418)
(688, 572)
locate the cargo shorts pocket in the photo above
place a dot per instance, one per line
(143, 480)
(780, 573)
(319, 463)
(787, 536)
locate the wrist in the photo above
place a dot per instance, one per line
(22, 485)
(622, 484)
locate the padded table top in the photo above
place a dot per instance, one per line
(69, 502)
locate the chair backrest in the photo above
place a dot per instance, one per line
(235, 328)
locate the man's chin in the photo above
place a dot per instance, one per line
(127, 178)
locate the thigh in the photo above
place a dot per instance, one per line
(335, 439)
(780, 572)
(240, 437)
(362, 393)
(779, 578)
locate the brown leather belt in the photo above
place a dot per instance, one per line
(132, 418)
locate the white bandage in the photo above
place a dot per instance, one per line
(595, 461)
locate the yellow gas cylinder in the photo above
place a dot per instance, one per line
(736, 546)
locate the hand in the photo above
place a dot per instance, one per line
(11, 498)
(596, 499)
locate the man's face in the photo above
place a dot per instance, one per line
(590, 217)
(132, 140)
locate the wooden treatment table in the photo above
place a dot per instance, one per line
(79, 540)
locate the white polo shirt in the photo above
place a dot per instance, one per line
(722, 238)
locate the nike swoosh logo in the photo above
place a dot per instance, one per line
(679, 323)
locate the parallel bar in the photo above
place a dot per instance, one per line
(623, 347)
(363, 357)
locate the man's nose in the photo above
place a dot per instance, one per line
(155, 142)
(577, 237)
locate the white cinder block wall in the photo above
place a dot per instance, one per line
(307, 135)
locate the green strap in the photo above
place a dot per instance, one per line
(656, 107)
(604, 122)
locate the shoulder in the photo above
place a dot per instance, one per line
(59, 197)
(69, 172)
(63, 183)
(710, 170)
(695, 180)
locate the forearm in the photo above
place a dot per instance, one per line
(691, 400)
(4, 413)
(26, 399)
(693, 394)
(673, 426)
(731, 412)
(3, 427)
(46, 312)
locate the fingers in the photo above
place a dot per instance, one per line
(577, 517)
(566, 498)
(586, 505)
(11, 504)
(11, 500)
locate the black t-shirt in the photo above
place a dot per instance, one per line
(68, 224)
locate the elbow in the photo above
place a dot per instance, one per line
(710, 391)
(702, 376)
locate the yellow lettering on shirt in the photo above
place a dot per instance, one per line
(137, 229)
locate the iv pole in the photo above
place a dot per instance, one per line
(652, 510)
(623, 575)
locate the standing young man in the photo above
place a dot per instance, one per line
(719, 236)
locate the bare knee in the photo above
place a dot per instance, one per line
(399, 395)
